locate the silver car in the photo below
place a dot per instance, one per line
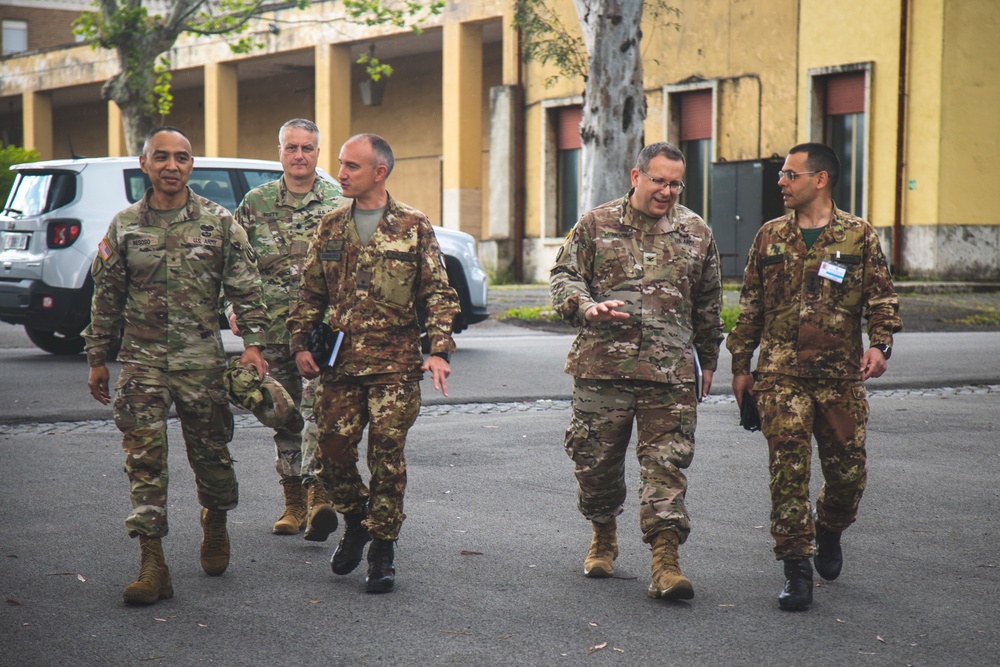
(59, 210)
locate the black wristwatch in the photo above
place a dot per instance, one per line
(447, 355)
(886, 350)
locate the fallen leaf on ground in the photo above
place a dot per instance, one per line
(593, 623)
(615, 648)
(879, 638)
(595, 649)
(464, 552)
(13, 602)
(80, 577)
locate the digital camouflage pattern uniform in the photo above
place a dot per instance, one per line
(371, 293)
(809, 383)
(280, 227)
(166, 281)
(640, 368)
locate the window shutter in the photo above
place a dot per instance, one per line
(845, 94)
(696, 115)
(568, 128)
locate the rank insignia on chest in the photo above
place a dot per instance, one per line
(649, 258)
(337, 244)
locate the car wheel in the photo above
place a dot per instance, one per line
(55, 343)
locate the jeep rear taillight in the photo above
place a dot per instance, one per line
(62, 233)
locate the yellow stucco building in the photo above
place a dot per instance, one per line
(905, 90)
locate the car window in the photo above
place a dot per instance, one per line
(214, 184)
(259, 177)
(35, 193)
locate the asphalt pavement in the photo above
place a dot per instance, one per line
(490, 559)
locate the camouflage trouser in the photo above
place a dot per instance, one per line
(294, 447)
(792, 410)
(342, 411)
(597, 441)
(143, 398)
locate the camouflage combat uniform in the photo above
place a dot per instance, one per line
(641, 368)
(371, 293)
(279, 228)
(166, 280)
(809, 383)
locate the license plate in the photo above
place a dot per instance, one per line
(15, 241)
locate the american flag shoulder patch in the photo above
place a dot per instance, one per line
(104, 249)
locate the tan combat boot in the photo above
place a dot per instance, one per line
(668, 582)
(215, 543)
(600, 561)
(322, 519)
(293, 519)
(154, 581)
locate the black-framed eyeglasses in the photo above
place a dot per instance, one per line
(792, 175)
(675, 186)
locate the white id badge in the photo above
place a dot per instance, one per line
(832, 271)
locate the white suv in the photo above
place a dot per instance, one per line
(59, 210)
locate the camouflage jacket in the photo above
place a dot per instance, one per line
(668, 276)
(371, 292)
(167, 280)
(808, 325)
(280, 233)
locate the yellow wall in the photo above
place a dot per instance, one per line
(970, 116)
(845, 33)
(923, 113)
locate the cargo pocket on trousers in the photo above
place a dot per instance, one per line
(222, 416)
(577, 437)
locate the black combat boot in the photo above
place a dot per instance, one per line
(829, 557)
(351, 549)
(798, 592)
(381, 571)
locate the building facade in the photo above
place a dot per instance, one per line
(904, 90)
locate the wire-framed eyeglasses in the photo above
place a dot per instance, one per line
(675, 186)
(792, 175)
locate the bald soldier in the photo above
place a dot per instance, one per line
(161, 272)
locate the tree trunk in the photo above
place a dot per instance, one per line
(614, 102)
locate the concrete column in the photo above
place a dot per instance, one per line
(221, 110)
(333, 102)
(37, 122)
(462, 173)
(116, 131)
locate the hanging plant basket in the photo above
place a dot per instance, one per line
(371, 92)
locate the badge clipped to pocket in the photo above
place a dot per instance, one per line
(832, 271)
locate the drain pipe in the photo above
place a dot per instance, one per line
(897, 222)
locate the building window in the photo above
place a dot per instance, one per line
(695, 130)
(844, 132)
(15, 36)
(568, 173)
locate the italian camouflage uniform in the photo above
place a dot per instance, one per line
(279, 227)
(809, 384)
(640, 368)
(371, 293)
(166, 281)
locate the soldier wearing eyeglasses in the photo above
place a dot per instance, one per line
(640, 277)
(810, 278)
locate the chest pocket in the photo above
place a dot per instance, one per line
(395, 277)
(614, 265)
(846, 294)
(775, 279)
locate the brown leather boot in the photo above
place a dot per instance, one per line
(321, 518)
(154, 582)
(668, 582)
(215, 543)
(600, 560)
(293, 519)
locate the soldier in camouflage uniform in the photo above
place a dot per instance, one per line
(810, 278)
(640, 276)
(368, 268)
(280, 218)
(161, 270)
